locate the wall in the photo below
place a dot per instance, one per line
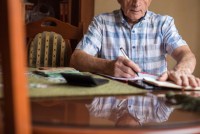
(105, 6)
(186, 15)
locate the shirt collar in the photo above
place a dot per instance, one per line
(123, 19)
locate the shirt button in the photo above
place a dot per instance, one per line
(133, 31)
(133, 47)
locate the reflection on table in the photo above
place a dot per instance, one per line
(136, 111)
(110, 112)
(130, 111)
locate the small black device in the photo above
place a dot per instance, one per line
(141, 84)
(83, 79)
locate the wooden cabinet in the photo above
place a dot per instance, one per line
(72, 11)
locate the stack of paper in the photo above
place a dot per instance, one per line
(152, 79)
(140, 77)
(168, 84)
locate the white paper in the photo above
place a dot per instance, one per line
(168, 84)
(140, 77)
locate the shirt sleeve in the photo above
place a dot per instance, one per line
(172, 39)
(91, 42)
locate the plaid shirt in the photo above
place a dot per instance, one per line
(146, 43)
(144, 109)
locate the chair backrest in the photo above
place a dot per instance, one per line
(48, 49)
(49, 42)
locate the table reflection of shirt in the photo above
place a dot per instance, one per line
(144, 109)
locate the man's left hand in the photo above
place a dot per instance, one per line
(182, 78)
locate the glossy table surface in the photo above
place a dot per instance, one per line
(145, 112)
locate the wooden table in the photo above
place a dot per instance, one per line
(139, 113)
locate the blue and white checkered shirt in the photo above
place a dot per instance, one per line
(146, 43)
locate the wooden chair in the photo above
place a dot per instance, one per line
(49, 42)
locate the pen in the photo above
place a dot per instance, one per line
(124, 53)
(119, 105)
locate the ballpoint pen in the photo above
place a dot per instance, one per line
(121, 102)
(124, 53)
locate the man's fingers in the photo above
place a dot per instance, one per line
(163, 77)
(173, 76)
(192, 81)
(198, 82)
(132, 65)
(123, 68)
(185, 80)
(181, 78)
(128, 71)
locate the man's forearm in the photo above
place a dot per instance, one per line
(85, 62)
(185, 61)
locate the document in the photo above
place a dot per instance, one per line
(152, 80)
(140, 76)
(168, 84)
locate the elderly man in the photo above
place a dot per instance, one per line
(146, 38)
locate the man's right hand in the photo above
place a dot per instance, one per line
(122, 67)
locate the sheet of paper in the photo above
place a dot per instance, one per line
(141, 76)
(168, 84)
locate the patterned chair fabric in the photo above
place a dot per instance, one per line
(48, 49)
